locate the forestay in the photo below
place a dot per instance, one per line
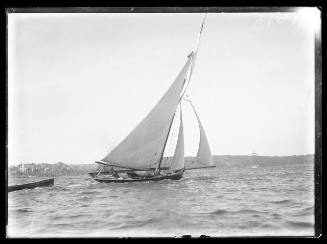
(142, 148)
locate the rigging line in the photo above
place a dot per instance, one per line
(187, 100)
(191, 105)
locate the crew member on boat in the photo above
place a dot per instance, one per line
(113, 172)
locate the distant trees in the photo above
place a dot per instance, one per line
(58, 169)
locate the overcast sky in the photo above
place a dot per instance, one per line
(79, 83)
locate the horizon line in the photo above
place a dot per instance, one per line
(256, 155)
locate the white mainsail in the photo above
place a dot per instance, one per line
(143, 147)
(178, 158)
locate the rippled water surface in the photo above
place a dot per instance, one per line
(224, 201)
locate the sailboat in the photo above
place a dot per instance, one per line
(144, 147)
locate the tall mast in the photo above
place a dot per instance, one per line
(199, 37)
(194, 54)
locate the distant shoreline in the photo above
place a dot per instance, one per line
(60, 168)
(191, 157)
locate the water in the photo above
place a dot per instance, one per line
(224, 201)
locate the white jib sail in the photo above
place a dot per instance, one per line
(178, 158)
(142, 148)
(203, 156)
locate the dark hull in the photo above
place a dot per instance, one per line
(93, 174)
(177, 176)
(42, 183)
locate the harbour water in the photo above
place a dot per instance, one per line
(264, 200)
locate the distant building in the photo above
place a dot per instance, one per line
(29, 167)
(21, 168)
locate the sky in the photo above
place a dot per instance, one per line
(79, 83)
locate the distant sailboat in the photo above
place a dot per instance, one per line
(143, 149)
(256, 165)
